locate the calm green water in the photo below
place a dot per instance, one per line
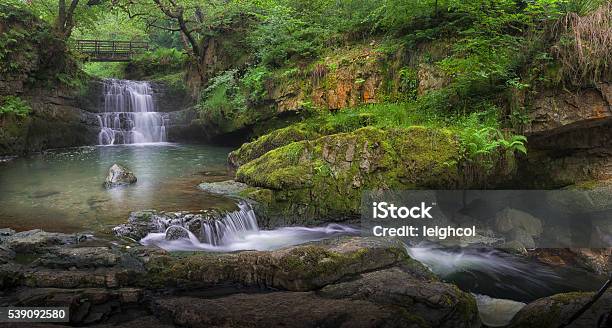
(62, 190)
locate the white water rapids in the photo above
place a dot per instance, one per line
(239, 231)
(511, 279)
(129, 115)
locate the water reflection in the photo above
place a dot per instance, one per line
(62, 190)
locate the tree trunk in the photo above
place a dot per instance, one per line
(65, 18)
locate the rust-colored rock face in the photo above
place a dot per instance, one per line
(350, 80)
(431, 78)
(558, 112)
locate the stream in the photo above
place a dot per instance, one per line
(61, 191)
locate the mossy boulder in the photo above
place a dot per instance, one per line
(557, 309)
(396, 288)
(277, 138)
(321, 180)
(299, 268)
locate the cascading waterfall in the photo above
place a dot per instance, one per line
(232, 227)
(129, 114)
(237, 230)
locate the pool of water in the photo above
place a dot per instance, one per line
(62, 190)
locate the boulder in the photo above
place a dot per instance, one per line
(79, 257)
(509, 219)
(119, 176)
(386, 298)
(277, 138)
(522, 237)
(36, 241)
(299, 268)
(551, 312)
(584, 197)
(322, 180)
(397, 289)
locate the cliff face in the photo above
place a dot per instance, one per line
(43, 76)
(569, 137)
(55, 121)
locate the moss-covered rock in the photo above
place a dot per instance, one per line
(277, 138)
(298, 268)
(394, 287)
(557, 309)
(323, 179)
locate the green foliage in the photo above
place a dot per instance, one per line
(223, 98)
(408, 83)
(159, 62)
(30, 51)
(10, 41)
(174, 82)
(85, 16)
(15, 106)
(17, 41)
(483, 145)
(254, 81)
(105, 70)
(283, 35)
(165, 59)
(112, 25)
(584, 47)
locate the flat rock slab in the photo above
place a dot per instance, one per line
(229, 187)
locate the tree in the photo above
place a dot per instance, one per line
(197, 21)
(65, 15)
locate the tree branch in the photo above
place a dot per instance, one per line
(176, 12)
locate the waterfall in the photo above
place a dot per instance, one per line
(229, 228)
(233, 231)
(129, 114)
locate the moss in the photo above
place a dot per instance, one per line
(174, 82)
(567, 298)
(278, 138)
(325, 177)
(466, 305)
(587, 185)
(417, 320)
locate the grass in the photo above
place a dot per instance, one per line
(584, 46)
(105, 70)
(480, 133)
(398, 115)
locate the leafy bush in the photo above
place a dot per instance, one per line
(223, 98)
(283, 35)
(158, 62)
(14, 105)
(105, 70)
(254, 81)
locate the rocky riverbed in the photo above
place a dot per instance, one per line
(336, 282)
(347, 281)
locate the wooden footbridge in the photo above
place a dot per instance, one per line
(110, 51)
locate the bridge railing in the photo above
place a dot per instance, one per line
(98, 50)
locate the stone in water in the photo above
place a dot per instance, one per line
(119, 176)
